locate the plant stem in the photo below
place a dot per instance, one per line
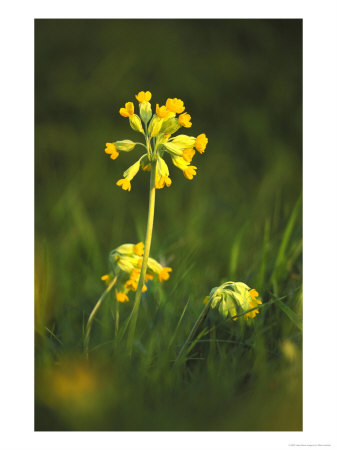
(147, 245)
(194, 330)
(117, 315)
(92, 315)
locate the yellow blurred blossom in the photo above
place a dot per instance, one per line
(164, 274)
(122, 297)
(106, 278)
(139, 249)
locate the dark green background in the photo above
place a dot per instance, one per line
(241, 81)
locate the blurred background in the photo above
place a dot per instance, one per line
(239, 219)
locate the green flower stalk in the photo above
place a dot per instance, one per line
(157, 130)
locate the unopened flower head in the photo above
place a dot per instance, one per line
(158, 129)
(232, 299)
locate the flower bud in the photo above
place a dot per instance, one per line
(132, 171)
(174, 149)
(136, 123)
(170, 126)
(145, 111)
(155, 126)
(125, 146)
(184, 141)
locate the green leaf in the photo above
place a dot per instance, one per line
(280, 259)
(290, 313)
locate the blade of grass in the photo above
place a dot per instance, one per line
(290, 313)
(178, 324)
(280, 259)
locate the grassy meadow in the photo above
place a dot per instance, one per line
(239, 219)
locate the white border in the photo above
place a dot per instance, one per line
(320, 224)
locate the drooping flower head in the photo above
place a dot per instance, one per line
(233, 299)
(158, 129)
(125, 263)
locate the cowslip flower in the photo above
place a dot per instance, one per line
(162, 111)
(201, 142)
(233, 299)
(124, 183)
(128, 111)
(188, 154)
(185, 120)
(143, 97)
(111, 150)
(158, 129)
(190, 171)
(175, 105)
(122, 297)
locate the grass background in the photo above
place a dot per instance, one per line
(239, 219)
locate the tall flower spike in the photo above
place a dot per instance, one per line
(158, 130)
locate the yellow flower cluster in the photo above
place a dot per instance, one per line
(233, 299)
(126, 261)
(158, 129)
